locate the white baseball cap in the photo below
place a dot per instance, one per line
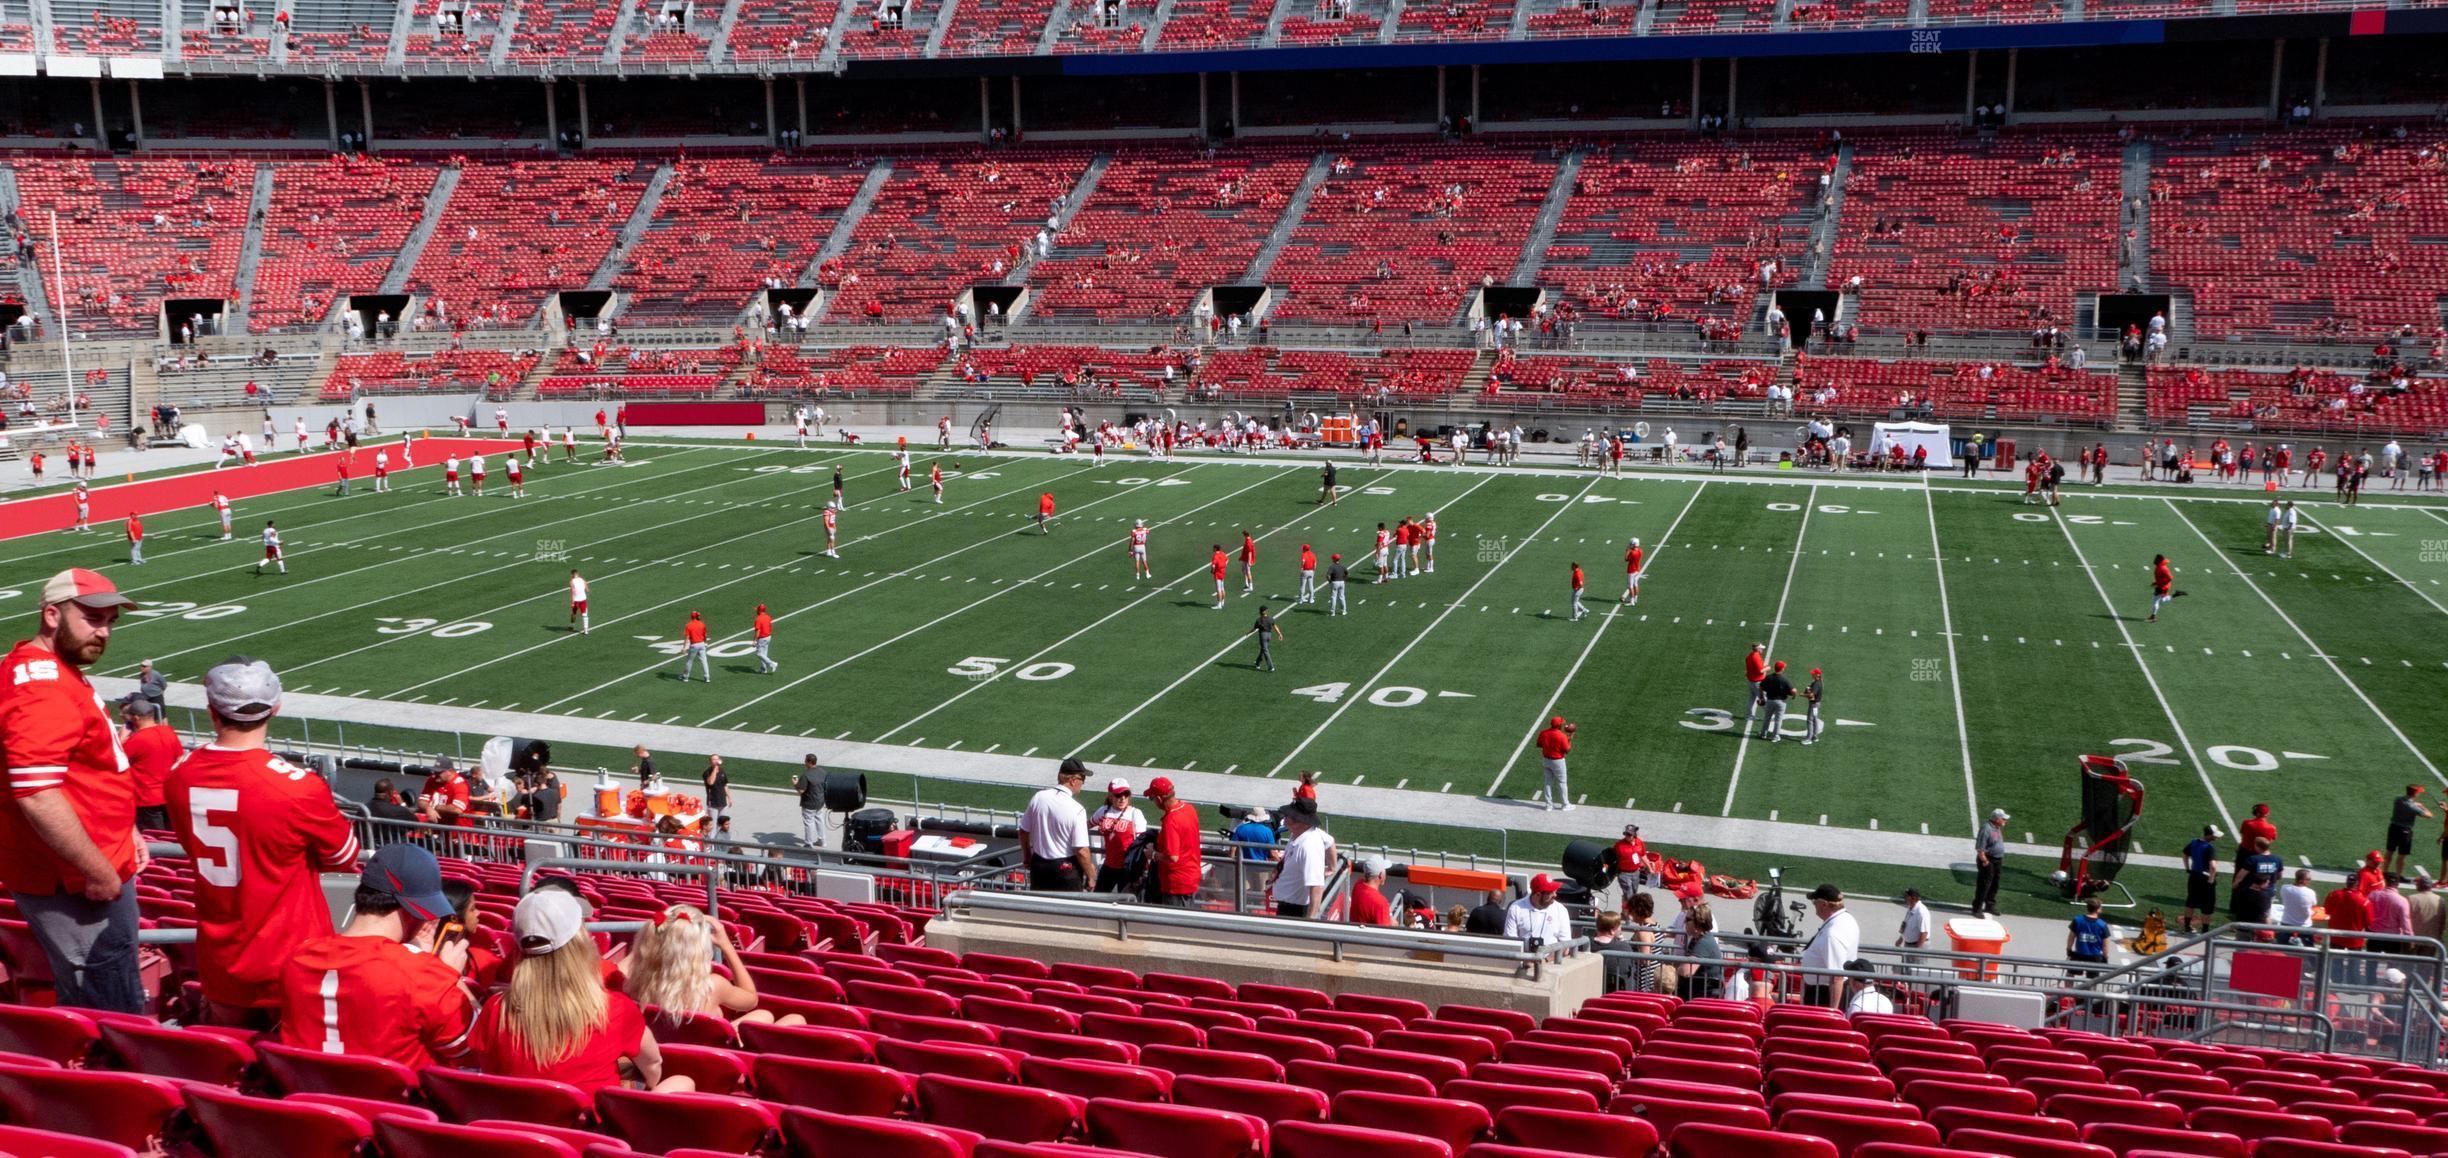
(1118, 784)
(546, 920)
(242, 690)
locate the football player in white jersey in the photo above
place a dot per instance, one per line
(1138, 550)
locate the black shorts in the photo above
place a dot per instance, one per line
(2400, 840)
(2201, 893)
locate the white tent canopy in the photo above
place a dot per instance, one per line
(1936, 437)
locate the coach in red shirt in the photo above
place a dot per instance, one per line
(1177, 845)
(68, 831)
(260, 832)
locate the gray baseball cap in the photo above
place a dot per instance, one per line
(242, 689)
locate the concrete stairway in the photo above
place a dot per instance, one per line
(396, 282)
(720, 49)
(30, 272)
(942, 29)
(639, 219)
(1081, 190)
(1823, 234)
(1551, 214)
(838, 243)
(2136, 192)
(250, 253)
(1320, 167)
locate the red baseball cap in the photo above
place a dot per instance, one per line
(1543, 883)
(1161, 786)
(78, 585)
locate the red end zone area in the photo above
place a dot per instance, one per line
(271, 475)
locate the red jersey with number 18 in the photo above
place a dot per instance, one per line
(59, 738)
(260, 830)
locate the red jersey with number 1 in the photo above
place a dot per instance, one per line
(260, 831)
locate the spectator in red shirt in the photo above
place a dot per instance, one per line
(152, 747)
(1307, 788)
(388, 983)
(557, 1020)
(2258, 826)
(68, 842)
(1554, 743)
(2349, 912)
(1368, 899)
(445, 798)
(1177, 845)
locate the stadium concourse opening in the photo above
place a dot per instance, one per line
(583, 306)
(377, 313)
(1801, 306)
(1237, 300)
(187, 319)
(1509, 301)
(2117, 311)
(799, 301)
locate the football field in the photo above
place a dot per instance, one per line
(1973, 646)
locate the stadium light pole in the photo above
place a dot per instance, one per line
(67, 358)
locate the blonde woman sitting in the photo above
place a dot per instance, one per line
(557, 1020)
(671, 967)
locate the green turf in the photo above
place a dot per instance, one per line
(959, 626)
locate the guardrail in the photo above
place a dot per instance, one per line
(1334, 935)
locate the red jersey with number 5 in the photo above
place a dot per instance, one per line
(261, 831)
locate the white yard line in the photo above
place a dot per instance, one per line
(1103, 547)
(2135, 650)
(246, 541)
(1239, 638)
(1040, 653)
(744, 575)
(1362, 689)
(522, 560)
(1539, 721)
(1946, 622)
(2385, 569)
(2323, 656)
(1742, 746)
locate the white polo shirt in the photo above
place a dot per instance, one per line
(1304, 867)
(1525, 921)
(1837, 941)
(1055, 825)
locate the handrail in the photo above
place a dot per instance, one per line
(1336, 935)
(712, 879)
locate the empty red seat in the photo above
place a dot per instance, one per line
(2086, 1110)
(2395, 1136)
(1334, 1079)
(1597, 1086)
(1468, 1050)
(1285, 1047)
(1682, 1070)
(1289, 996)
(2021, 1145)
(1269, 1102)
(1667, 1115)
(61, 1035)
(181, 1054)
(927, 1027)
(1934, 1095)
(1784, 1104)
(1019, 1015)
(1573, 1132)
(128, 1109)
(1689, 1091)
(2256, 1125)
(27, 1141)
(1498, 1095)
(811, 1132)
(838, 1087)
(1455, 1122)
(2341, 1115)
(995, 1110)
(241, 1124)
(298, 1071)
(1849, 1131)
(1142, 1031)
(1320, 1140)
(1214, 1063)
(1089, 1078)
(1794, 1081)
(654, 1123)
(1429, 1066)
(714, 1071)
(2123, 1139)
(1703, 1140)
(1036, 1043)
(1174, 1131)
(827, 1043)
(1606, 1063)
(468, 1096)
(1951, 1120)
(1405, 1008)
(983, 1062)
(398, 1138)
(2298, 1148)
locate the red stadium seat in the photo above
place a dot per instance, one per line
(131, 1110)
(818, 1134)
(1935, 1095)
(1319, 1140)
(2255, 1126)
(2412, 1139)
(2085, 1110)
(181, 1054)
(1702, 1140)
(1497, 1096)
(985, 1063)
(1403, 1008)
(297, 1071)
(994, 1110)
(2019, 1145)
(1142, 1031)
(1334, 1079)
(1605, 1063)
(28, 1142)
(1089, 1078)
(1287, 1047)
(2298, 1148)
(1214, 1063)
(1429, 1066)
(836, 1087)
(1452, 1121)
(1035, 1043)
(239, 1124)
(2123, 1139)
(65, 1036)
(1465, 1049)
(1174, 1131)
(1596, 1086)
(1594, 1135)
(715, 1071)
(654, 1123)
(1289, 996)
(807, 1041)
(1666, 1115)
(1952, 1120)
(403, 1139)
(1689, 1091)
(1850, 1131)
(1271, 1102)
(366, 1108)
(1019, 1015)
(468, 1096)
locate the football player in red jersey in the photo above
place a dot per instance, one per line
(68, 842)
(1249, 563)
(1308, 572)
(259, 831)
(1218, 564)
(1632, 573)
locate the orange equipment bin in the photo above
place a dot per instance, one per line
(1977, 935)
(1337, 430)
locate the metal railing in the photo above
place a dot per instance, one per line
(1336, 937)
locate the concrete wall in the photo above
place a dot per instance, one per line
(1558, 990)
